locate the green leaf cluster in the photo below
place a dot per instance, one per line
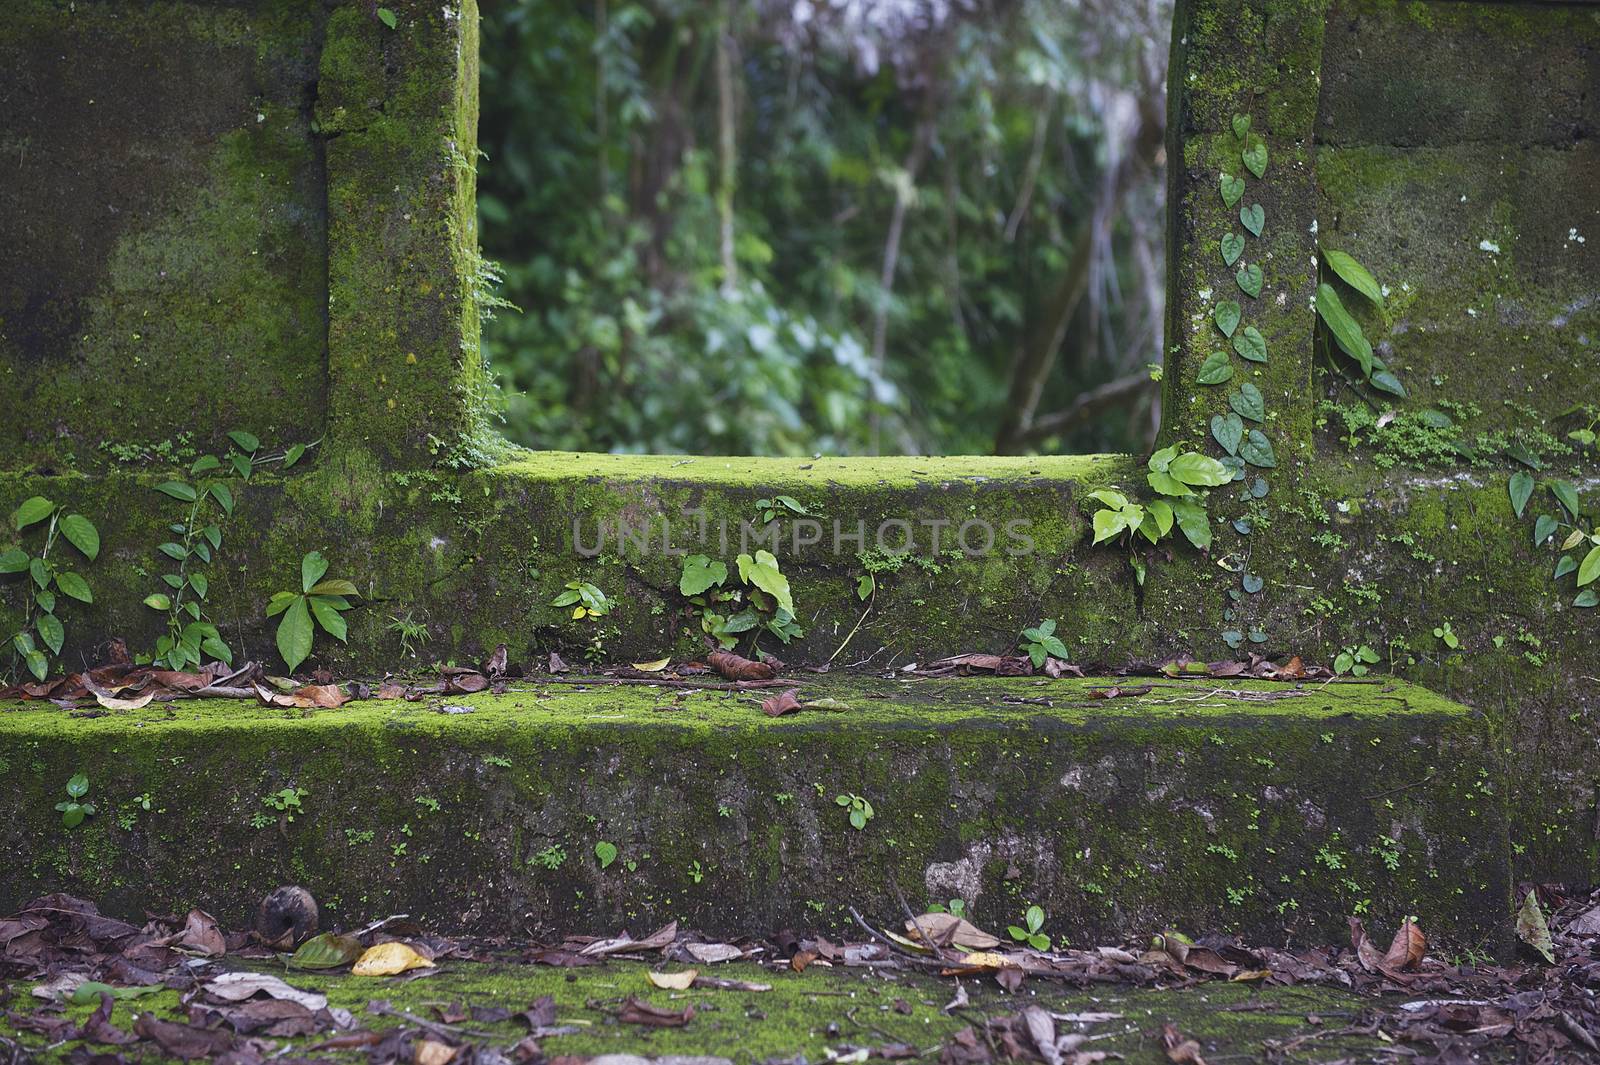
(1041, 642)
(319, 604)
(1342, 326)
(860, 809)
(73, 810)
(1031, 929)
(47, 584)
(585, 599)
(761, 602)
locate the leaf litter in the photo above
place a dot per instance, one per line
(235, 1013)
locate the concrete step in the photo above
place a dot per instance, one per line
(1268, 809)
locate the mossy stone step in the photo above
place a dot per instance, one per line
(1263, 808)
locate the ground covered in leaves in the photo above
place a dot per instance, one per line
(90, 989)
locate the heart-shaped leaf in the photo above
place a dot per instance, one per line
(1565, 566)
(1227, 431)
(1249, 280)
(1241, 126)
(1215, 370)
(1544, 528)
(1233, 638)
(1257, 450)
(1588, 569)
(1232, 248)
(1251, 345)
(1226, 315)
(1232, 189)
(1253, 218)
(1255, 157)
(1248, 403)
(1251, 583)
(1521, 489)
(1259, 488)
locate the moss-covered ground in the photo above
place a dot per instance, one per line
(823, 1010)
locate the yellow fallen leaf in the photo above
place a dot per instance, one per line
(674, 981)
(652, 667)
(388, 959)
(983, 959)
(124, 704)
(432, 1052)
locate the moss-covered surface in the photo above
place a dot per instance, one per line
(162, 214)
(1243, 806)
(820, 1010)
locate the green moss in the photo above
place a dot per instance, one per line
(806, 1013)
(1145, 797)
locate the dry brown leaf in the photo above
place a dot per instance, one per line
(711, 953)
(201, 935)
(1179, 1050)
(735, 667)
(785, 703)
(637, 1011)
(1407, 947)
(946, 929)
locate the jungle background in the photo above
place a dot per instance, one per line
(826, 226)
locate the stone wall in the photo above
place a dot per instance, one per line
(249, 216)
(321, 288)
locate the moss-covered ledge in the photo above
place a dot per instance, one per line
(1273, 810)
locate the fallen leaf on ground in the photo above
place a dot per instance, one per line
(711, 953)
(674, 981)
(946, 929)
(327, 951)
(1180, 1051)
(1532, 929)
(236, 987)
(180, 1040)
(717, 984)
(637, 1011)
(735, 667)
(433, 1052)
(201, 935)
(778, 705)
(111, 703)
(661, 937)
(389, 959)
(652, 667)
(1407, 947)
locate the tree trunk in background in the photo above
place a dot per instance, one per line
(920, 143)
(1035, 360)
(727, 156)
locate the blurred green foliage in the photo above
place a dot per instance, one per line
(599, 197)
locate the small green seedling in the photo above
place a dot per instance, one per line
(319, 599)
(286, 801)
(72, 810)
(1041, 642)
(1033, 921)
(1444, 633)
(955, 907)
(585, 599)
(1355, 661)
(768, 509)
(860, 809)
